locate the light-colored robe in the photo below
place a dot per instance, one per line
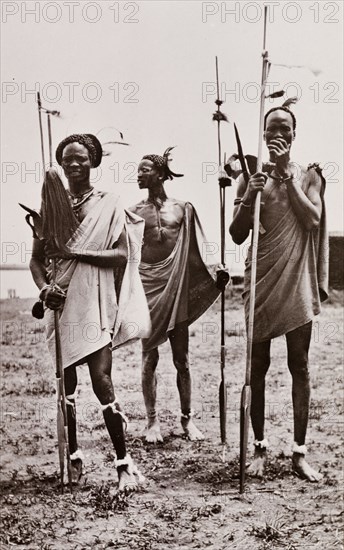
(92, 315)
(292, 271)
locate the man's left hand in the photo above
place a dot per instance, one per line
(280, 154)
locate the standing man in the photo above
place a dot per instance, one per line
(97, 280)
(177, 284)
(291, 275)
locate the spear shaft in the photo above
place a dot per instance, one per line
(245, 407)
(222, 189)
(50, 141)
(62, 419)
(223, 386)
(41, 128)
(62, 426)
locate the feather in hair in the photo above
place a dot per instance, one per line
(290, 101)
(168, 159)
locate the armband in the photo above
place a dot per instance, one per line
(240, 201)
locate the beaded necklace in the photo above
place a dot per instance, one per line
(78, 200)
(279, 179)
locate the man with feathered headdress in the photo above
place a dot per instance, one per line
(96, 286)
(177, 284)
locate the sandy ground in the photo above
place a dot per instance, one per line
(190, 498)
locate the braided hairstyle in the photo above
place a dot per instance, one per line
(89, 141)
(161, 162)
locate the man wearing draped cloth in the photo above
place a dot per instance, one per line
(291, 275)
(177, 284)
(99, 295)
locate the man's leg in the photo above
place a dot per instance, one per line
(298, 342)
(149, 383)
(76, 456)
(179, 339)
(260, 366)
(100, 364)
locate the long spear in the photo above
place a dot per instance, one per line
(41, 129)
(61, 394)
(62, 425)
(245, 406)
(224, 181)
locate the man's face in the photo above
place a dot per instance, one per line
(279, 126)
(76, 163)
(148, 175)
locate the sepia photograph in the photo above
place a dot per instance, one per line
(172, 275)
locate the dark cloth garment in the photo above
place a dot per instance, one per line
(180, 288)
(292, 270)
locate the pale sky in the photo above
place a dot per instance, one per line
(148, 69)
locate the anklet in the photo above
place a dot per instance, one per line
(132, 468)
(115, 406)
(70, 400)
(299, 449)
(263, 444)
(77, 455)
(123, 461)
(188, 415)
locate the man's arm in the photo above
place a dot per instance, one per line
(308, 208)
(242, 215)
(37, 264)
(115, 257)
(53, 298)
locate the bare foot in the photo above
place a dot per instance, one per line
(153, 434)
(303, 469)
(190, 430)
(76, 461)
(126, 480)
(128, 474)
(76, 470)
(256, 468)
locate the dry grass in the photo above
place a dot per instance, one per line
(190, 499)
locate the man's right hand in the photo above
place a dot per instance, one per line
(255, 183)
(53, 298)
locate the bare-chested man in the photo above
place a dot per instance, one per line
(291, 275)
(91, 312)
(177, 284)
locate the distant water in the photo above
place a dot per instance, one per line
(19, 280)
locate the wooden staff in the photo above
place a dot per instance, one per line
(224, 181)
(41, 129)
(245, 406)
(61, 418)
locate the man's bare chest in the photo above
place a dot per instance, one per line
(275, 202)
(169, 216)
